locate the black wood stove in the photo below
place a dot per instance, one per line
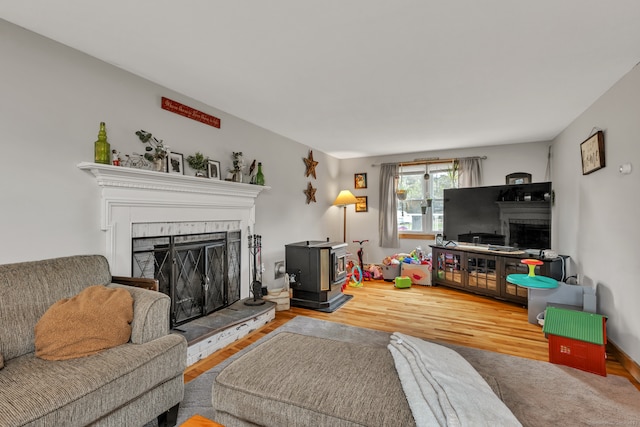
(317, 273)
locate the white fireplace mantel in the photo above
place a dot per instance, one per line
(130, 196)
(117, 176)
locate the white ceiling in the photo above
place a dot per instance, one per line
(358, 78)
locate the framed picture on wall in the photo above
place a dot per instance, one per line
(175, 163)
(360, 181)
(592, 151)
(361, 204)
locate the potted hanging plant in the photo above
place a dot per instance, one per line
(426, 205)
(453, 173)
(198, 162)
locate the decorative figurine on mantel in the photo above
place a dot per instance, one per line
(252, 170)
(115, 158)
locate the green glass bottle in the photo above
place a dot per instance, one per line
(260, 175)
(102, 152)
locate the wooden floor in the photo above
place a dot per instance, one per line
(434, 313)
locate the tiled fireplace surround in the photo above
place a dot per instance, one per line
(135, 202)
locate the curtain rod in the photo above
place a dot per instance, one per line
(428, 161)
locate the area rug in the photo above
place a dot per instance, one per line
(538, 393)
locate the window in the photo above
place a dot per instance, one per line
(421, 192)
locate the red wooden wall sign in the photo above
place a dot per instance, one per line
(192, 113)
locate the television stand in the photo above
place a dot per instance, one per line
(485, 272)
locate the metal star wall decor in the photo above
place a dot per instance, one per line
(311, 165)
(311, 193)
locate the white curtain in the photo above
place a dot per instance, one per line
(387, 221)
(469, 172)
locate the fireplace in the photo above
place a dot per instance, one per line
(180, 211)
(199, 272)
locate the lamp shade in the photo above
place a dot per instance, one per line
(345, 198)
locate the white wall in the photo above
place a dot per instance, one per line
(53, 99)
(596, 215)
(500, 161)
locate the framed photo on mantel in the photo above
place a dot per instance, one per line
(592, 151)
(213, 169)
(175, 163)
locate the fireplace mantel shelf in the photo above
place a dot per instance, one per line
(123, 177)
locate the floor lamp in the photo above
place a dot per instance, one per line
(344, 199)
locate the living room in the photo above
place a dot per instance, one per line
(54, 97)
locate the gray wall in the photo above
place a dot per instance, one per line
(596, 215)
(53, 98)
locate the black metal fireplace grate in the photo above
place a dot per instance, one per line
(200, 272)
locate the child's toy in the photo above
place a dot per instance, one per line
(402, 282)
(354, 277)
(358, 272)
(376, 272)
(577, 339)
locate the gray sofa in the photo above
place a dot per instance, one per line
(128, 385)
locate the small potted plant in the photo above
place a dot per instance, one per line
(155, 150)
(198, 162)
(238, 166)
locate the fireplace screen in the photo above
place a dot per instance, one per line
(201, 272)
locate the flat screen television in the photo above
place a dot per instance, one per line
(515, 216)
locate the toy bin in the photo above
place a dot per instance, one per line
(418, 273)
(390, 272)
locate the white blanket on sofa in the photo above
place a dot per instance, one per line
(443, 389)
